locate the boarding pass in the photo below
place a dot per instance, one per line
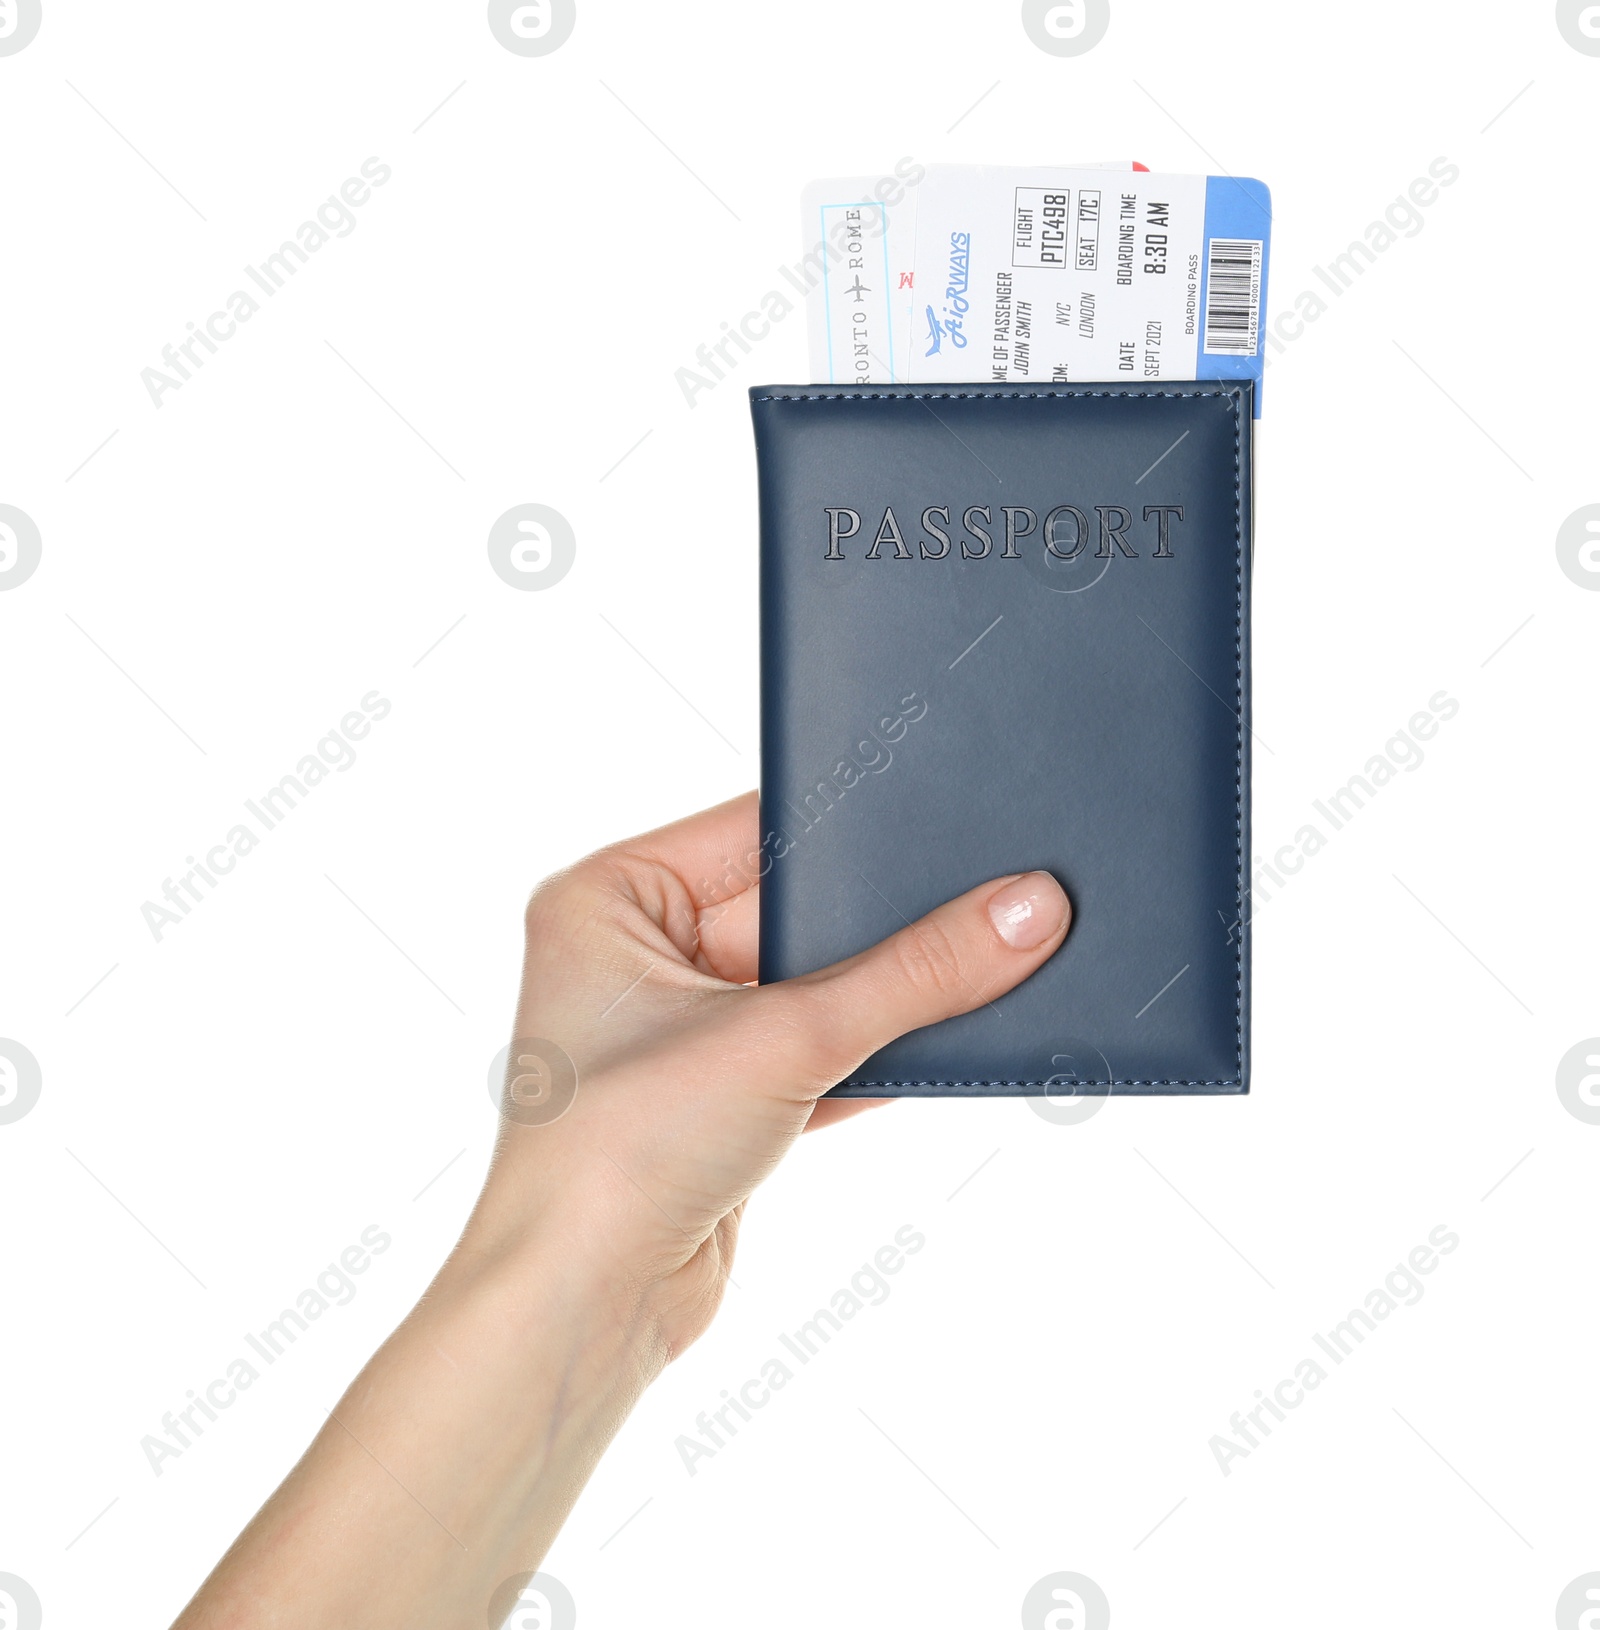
(1038, 275)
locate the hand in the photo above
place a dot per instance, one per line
(691, 1081)
(602, 1240)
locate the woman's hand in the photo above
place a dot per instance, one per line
(652, 1087)
(691, 1082)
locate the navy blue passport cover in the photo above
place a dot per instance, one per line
(1007, 628)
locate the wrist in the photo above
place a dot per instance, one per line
(548, 1277)
(613, 1257)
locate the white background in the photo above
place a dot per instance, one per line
(305, 521)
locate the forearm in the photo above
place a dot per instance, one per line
(453, 1459)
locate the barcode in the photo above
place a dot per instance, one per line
(1233, 296)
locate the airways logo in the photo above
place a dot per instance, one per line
(955, 298)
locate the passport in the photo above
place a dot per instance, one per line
(1006, 628)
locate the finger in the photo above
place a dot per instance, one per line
(830, 1111)
(728, 933)
(716, 853)
(957, 958)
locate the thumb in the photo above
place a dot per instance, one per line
(960, 956)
